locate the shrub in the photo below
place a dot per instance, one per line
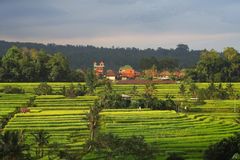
(31, 102)
(174, 156)
(155, 104)
(63, 91)
(81, 90)
(13, 90)
(111, 99)
(73, 91)
(43, 89)
(225, 149)
(70, 92)
(149, 102)
(213, 92)
(114, 100)
(110, 146)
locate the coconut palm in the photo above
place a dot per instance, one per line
(93, 119)
(42, 140)
(12, 146)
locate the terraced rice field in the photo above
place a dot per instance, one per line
(219, 106)
(169, 131)
(188, 134)
(9, 102)
(63, 118)
(63, 126)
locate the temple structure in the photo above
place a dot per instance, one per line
(99, 68)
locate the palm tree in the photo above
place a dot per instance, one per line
(193, 90)
(42, 140)
(12, 146)
(93, 125)
(93, 119)
(91, 81)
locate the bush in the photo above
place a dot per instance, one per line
(13, 90)
(155, 104)
(110, 146)
(213, 92)
(225, 149)
(114, 100)
(70, 92)
(174, 156)
(43, 89)
(73, 91)
(149, 102)
(31, 102)
(81, 90)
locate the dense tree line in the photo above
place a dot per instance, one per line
(83, 56)
(212, 91)
(149, 100)
(215, 67)
(24, 65)
(210, 65)
(111, 99)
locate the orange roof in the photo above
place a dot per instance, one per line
(129, 73)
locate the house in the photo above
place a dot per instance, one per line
(165, 75)
(99, 68)
(179, 74)
(111, 75)
(127, 72)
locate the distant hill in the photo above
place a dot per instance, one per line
(84, 56)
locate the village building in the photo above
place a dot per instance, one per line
(165, 75)
(151, 73)
(179, 74)
(99, 68)
(110, 74)
(127, 72)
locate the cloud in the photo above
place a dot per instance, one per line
(87, 21)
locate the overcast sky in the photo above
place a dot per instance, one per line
(123, 23)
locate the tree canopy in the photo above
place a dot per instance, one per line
(29, 65)
(83, 56)
(215, 67)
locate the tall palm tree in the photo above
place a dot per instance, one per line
(12, 146)
(93, 124)
(42, 140)
(93, 120)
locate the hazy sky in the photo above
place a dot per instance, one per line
(123, 23)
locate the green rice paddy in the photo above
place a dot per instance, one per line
(187, 134)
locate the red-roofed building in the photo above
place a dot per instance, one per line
(111, 75)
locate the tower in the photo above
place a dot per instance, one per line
(99, 68)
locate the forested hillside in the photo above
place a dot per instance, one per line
(83, 56)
